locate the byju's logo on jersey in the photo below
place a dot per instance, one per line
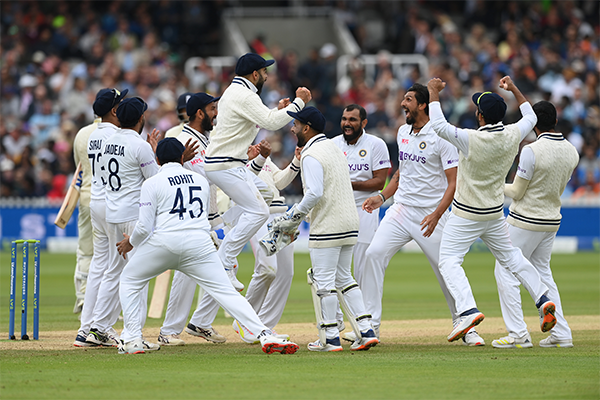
(362, 153)
(422, 145)
(403, 156)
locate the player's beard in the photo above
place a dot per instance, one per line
(355, 133)
(259, 85)
(410, 119)
(207, 125)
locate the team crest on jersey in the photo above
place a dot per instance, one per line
(362, 153)
(422, 145)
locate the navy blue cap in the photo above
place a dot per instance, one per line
(199, 100)
(311, 117)
(250, 62)
(130, 110)
(106, 100)
(169, 149)
(491, 105)
(183, 99)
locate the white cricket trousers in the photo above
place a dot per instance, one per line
(108, 307)
(366, 232)
(244, 188)
(537, 248)
(458, 236)
(272, 279)
(193, 253)
(100, 262)
(332, 270)
(85, 251)
(400, 225)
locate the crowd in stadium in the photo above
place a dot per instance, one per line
(57, 55)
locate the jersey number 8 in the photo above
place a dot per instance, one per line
(178, 204)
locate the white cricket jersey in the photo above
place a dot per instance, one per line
(196, 164)
(423, 157)
(368, 154)
(95, 148)
(128, 160)
(174, 200)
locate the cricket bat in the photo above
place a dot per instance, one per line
(159, 295)
(70, 201)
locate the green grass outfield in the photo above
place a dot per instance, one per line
(413, 361)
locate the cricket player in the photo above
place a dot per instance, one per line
(333, 232)
(202, 109)
(242, 114)
(85, 236)
(368, 163)
(485, 156)
(272, 278)
(127, 160)
(172, 232)
(545, 167)
(423, 188)
(182, 115)
(105, 106)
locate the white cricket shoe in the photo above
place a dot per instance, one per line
(330, 345)
(464, 324)
(170, 340)
(209, 334)
(137, 346)
(553, 342)
(509, 342)
(472, 338)
(367, 340)
(272, 344)
(150, 346)
(350, 336)
(81, 341)
(106, 339)
(547, 318)
(246, 336)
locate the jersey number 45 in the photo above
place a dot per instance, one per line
(179, 203)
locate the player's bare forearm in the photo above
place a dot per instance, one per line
(430, 222)
(506, 83)
(377, 182)
(374, 202)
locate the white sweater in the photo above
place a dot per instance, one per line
(333, 219)
(539, 208)
(485, 157)
(241, 115)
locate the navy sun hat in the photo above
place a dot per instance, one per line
(169, 149)
(250, 62)
(198, 101)
(491, 105)
(183, 99)
(106, 100)
(311, 117)
(130, 110)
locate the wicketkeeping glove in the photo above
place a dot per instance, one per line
(289, 222)
(274, 241)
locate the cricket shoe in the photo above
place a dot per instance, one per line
(464, 324)
(273, 344)
(80, 340)
(547, 318)
(237, 285)
(170, 340)
(472, 338)
(137, 346)
(330, 345)
(246, 336)
(553, 342)
(95, 337)
(209, 334)
(509, 342)
(350, 336)
(367, 340)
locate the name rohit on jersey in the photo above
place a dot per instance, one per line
(95, 144)
(179, 179)
(412, 157)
